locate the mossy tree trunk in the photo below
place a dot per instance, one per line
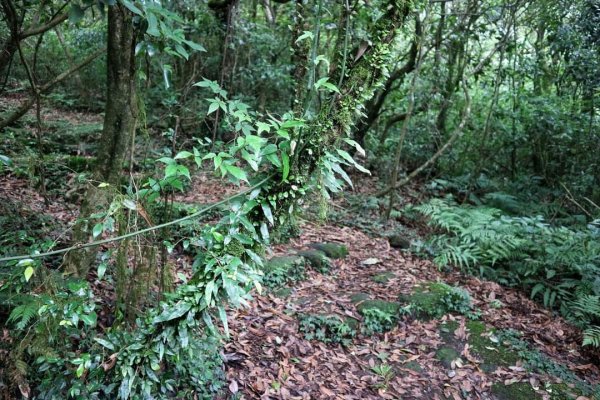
(117, 135)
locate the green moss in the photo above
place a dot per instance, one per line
(331, 250)
(284, 263)
(398, 241)
(413, 365)
(387, 307)
(383, 278)
(317, 260)
(492, 355)
(282, 292)
(446, 355)
(359, 297)
(435, 299)
(280, 271)
(516, 391)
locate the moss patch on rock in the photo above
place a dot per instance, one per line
(317, 259)
(387, 307)
(491, 353)
(359, 297)
(331, 250)
(446, 355)
(435, 299)
(383, 277)
(282, 292)
(516, 391)
(399, 241)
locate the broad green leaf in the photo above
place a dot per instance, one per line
(152, 25)
(132, 8)
(304, 36)
(262, 127)
(223, 316)
(238, 173)
(28, 273)
(105, 343)
(267, 211)
(169, 314)
(89, 319)
(285, 160)
(97, 230)
(128, 203)
(75, 13)
(214, 106)
(183, 154)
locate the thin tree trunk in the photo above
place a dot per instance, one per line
(119, 124)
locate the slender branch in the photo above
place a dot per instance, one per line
(43, 28)
(22, 110)
(455, 135)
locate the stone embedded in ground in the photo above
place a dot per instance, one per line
(284, 263)
(331, 250)
(446, 355)
(435, 299)
(359, 297)
(492, 355)
(399, 241)
(283, 292)
(317, 259)
(388, 307)
(516, 391)
(383, 277)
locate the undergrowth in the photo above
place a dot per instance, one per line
(559, 266)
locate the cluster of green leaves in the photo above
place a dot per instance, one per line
(281, 271)
(326, 328)
(377, 320)
(560, 266)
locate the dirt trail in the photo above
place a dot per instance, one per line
(268, 358)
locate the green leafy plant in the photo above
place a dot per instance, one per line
(326, 328)
(376, 320)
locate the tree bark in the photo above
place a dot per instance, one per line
(119, 125)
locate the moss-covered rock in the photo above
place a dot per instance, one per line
(317, 259)
(282, 292)
(446, 355)
(387, 307)
(516, 391)
(359, 297)
(331, 250)
(383, 277)
(399, 242)
(284, 262)
(435, 299)
(491, 353)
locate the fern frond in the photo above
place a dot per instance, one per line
(591, 336)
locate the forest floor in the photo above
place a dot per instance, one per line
(515, 349)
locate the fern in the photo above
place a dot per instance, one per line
(591, 336)
(560, 266)
(24, 314)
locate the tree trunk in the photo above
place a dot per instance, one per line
(117, 135)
